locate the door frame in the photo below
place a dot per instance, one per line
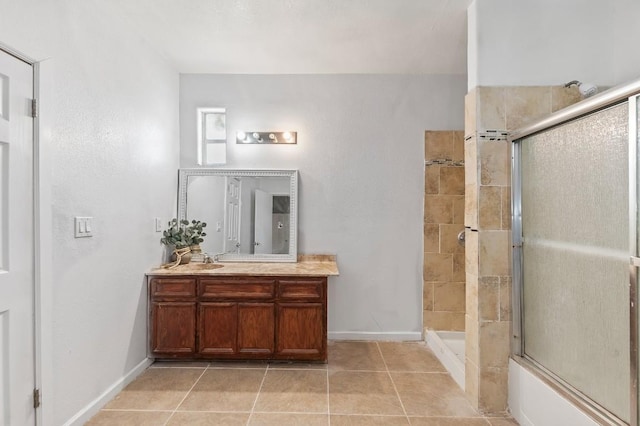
(269, 197)
(42, 231)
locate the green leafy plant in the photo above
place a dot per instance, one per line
(182, 233)
(195, 232)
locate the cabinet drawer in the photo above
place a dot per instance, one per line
(173, 288)
(309, 289)
(237, 289)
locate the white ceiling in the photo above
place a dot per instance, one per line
(303, 36)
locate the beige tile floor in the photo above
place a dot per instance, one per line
(364, 383)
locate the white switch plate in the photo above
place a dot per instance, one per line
(158, 224)
(83, 227)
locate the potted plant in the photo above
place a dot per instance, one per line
(182, 235)
(195, 234)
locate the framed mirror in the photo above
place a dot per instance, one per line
(251, 215)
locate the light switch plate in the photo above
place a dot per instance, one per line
(158, 224)
(83, 227)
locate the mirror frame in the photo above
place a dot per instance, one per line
(292, 256)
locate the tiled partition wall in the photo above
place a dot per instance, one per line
(489, 112)
(444, 276)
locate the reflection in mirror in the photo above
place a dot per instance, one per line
(250, 214)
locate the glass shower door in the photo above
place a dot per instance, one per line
(634, 224)
(575, 251)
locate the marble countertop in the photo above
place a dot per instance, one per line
(307, 266)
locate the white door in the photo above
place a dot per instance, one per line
(263, 221)
(232, 215)
(16, 243)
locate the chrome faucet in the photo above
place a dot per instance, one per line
(207, 258)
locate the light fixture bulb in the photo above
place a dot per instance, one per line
(287, 136)
(241, 135)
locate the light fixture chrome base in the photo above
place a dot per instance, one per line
(267, 137)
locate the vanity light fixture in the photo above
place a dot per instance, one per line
(282, 138)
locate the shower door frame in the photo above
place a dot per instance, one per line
(626, 93)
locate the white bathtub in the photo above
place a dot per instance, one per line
(448, 346)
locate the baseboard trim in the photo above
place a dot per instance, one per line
(94, 406)
(369, 335)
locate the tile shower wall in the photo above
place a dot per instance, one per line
(489, 113)
(444, 270)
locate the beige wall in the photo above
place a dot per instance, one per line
(489, 112)
(444, 275)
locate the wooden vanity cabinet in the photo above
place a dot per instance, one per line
(279, 318)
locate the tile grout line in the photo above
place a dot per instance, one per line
(187, 394)
(136, 410)
(392, 382)
(255, 401)
(392, 416)
(304, 413)
(328, 396)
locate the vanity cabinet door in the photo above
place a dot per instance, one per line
(236, 329)
(173, 329)
(256, 329)
(301, 332)
(217, 329)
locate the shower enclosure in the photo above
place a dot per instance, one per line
(575, 235)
